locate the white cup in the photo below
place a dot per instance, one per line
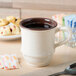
(38, 45)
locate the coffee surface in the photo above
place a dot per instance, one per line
(38, 23)
(38, 26)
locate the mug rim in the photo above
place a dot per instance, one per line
(45, 19)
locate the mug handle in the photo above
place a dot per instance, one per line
(68, 37)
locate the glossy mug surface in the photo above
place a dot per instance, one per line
(38, 40)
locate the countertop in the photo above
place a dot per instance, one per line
(63, 54)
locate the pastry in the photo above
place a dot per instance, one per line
(15, 30)
(17, 21)
(3, 22)
(11, 19)
(9, 26)
(5, 30)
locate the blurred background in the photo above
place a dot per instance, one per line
(59, 10)
(38, 8)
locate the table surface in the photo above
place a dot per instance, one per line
(63, 54)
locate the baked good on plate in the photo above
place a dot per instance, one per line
(9, 26)
(3, 22)
(5, 30)
(15, 30)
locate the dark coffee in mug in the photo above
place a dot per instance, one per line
(39, 24)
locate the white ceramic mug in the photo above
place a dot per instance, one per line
(38, 45)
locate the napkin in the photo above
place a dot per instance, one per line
(8, 62)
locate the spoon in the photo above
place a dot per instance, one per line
(70, 70)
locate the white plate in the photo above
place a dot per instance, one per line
(11, 37)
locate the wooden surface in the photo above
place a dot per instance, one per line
(6, 4)
(66, 5)
(26, 13)
(63, 54)
(61, 5)
(9, 12)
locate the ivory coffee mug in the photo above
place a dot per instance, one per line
(38, 40)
